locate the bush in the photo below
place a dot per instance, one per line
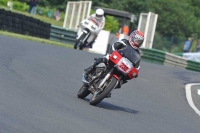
(48, 12)
(16, 5)
(112, 24)
(3, 2)
(20, 6)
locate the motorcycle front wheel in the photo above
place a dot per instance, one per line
(95, 99)
(83, 92)
(78, 42)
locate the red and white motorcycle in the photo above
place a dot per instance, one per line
(88, 31)
(107, 77)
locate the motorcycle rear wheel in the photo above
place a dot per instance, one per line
(97, 99)
(83, 92)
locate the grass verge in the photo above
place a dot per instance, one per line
(35, 39)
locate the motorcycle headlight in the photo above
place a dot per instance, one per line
(93, 27)
(134, 74)
(115, 57)
(86, 22)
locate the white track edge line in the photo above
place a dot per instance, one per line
(189, 97)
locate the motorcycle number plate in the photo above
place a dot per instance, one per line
(124, 65)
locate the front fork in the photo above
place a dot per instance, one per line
(85, 38)
(100, 87)
(106, 78)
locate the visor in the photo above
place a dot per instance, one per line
(137, 42)
(99, 16)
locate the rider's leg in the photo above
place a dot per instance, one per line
(122, 81)
(91, 44)
(91, 68)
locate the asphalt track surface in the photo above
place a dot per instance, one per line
(39, 85)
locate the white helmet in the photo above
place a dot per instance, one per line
(99, 13)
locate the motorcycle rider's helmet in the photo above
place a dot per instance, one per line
(99, 13)
(136, 39)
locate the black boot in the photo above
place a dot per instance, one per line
(120, 83)
(91, 68)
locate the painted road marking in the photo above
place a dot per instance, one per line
(189, 97)
(198, 91)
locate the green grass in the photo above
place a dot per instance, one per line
(35, 39)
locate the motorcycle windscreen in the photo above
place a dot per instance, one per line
(131, 54)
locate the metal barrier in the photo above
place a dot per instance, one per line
(62, 35)
(160, 57)
(193, 65)
(149, 55)
(174, 60)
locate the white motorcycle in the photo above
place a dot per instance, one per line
(88, 31)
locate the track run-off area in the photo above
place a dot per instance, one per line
(38, 94)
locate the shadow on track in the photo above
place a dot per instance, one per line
(105, 105)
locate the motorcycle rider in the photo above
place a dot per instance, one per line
(98, 17)
(135, 40)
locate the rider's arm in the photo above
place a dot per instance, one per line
(137, 65)
(117, 45)
(102, 24)
(89, 17)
